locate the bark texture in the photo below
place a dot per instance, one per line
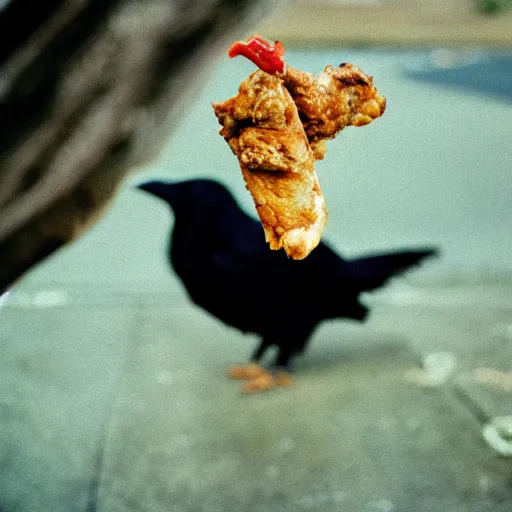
(89, 90)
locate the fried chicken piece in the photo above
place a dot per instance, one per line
(332, 100)
(263, 129)
(277, 127)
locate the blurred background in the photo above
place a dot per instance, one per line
(434, 169)
(112, 389)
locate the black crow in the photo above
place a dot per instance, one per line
(220, 254)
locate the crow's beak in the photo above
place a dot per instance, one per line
(150, 186)
(164, 190)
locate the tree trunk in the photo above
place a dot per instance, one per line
(89, 90)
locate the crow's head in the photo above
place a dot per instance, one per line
(191, 197)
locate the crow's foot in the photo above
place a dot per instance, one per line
(247, 371)
(267, 380)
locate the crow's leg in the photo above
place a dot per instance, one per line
(253, 369)
(284, 358)
(279, 375)
(260, 350)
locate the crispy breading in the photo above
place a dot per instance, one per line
(332, 100)
(262, 126)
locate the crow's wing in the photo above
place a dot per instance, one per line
(242, 253)
(241, 256)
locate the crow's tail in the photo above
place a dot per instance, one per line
(374, 270)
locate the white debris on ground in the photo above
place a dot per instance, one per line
(437, 369)
(498, 434)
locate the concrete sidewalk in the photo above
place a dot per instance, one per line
(118, 401)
